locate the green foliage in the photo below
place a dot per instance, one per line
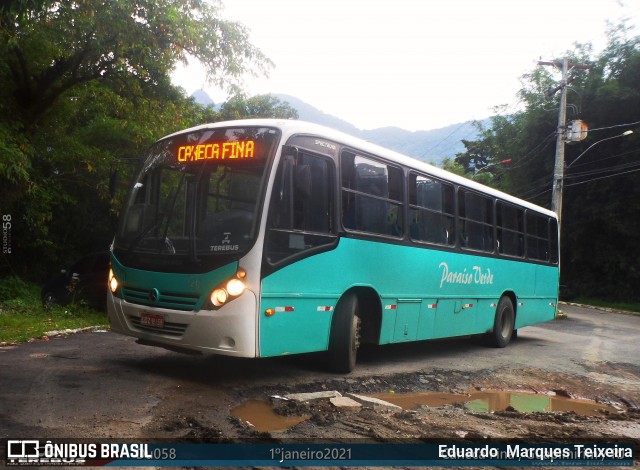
(23, 317)
(52, 50)
(600, 219)
(261, 106)
(86, 89)
(453, 166)
(13, 287)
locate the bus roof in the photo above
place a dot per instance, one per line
(290, 127)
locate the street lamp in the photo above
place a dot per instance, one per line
(624, 134)
(558, 182)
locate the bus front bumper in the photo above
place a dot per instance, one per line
(230, 330)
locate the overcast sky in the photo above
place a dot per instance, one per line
(415, 64)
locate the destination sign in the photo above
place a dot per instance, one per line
(236, 150)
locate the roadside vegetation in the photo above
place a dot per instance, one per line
(626, 306)
(23, 317)
(86, 88)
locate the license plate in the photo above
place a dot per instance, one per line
(152, 319)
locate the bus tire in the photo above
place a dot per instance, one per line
(503, 325)
(345, 335)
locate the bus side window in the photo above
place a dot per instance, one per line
(372, 195)
(300, 213)
(510, 224)
(144, 211)
(430, 210)
(542, 238)
(476, 221)
(553, 240)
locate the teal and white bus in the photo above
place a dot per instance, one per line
(260, 238)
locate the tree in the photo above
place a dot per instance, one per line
(86, 87)
(51, 50)
(600, 219)
(261, 106)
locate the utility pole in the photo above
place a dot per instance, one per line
(558, 168)
(558, 171)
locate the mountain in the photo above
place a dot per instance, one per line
(202, 97)
(431, 146)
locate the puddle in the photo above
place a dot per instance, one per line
(260, 415)
(263, 418)
(497, 401)
(410, 401)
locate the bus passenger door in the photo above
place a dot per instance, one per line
(407, 317)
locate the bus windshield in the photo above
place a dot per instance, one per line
(195, 203)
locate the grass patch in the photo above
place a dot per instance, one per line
(629, 306)
(23, 317)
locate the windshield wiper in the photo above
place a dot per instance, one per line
(170, 216)
(145, 231)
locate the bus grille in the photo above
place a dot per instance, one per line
(176, 301)
(170, 329)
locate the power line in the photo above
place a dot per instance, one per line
(520, 162)
(540, 183)
(606, 158)
(603, 177)
(613, 127)
(531, 191)
(433, 147)
(623, 166)
(531, 198)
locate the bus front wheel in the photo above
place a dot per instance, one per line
(503, 324)
(345, 334)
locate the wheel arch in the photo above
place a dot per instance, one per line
(370, 312)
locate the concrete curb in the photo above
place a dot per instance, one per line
(52, 334)
(601, 309)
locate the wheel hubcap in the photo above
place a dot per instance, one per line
(356, 334)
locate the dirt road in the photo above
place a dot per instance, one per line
(99, 384)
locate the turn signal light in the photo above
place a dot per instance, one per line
(113, 282)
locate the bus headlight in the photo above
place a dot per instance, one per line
(235, 287)
(219, 297)
(231, 289)
(113, 282)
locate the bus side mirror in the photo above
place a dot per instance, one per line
(290, 151)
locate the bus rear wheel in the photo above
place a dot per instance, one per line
(345, 334)
(503, 325)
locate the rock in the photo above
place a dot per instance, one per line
(305, 397)
(375, 403)
(344, 402)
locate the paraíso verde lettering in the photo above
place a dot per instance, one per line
(476, 276)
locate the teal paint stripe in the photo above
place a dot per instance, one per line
(399, 272)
